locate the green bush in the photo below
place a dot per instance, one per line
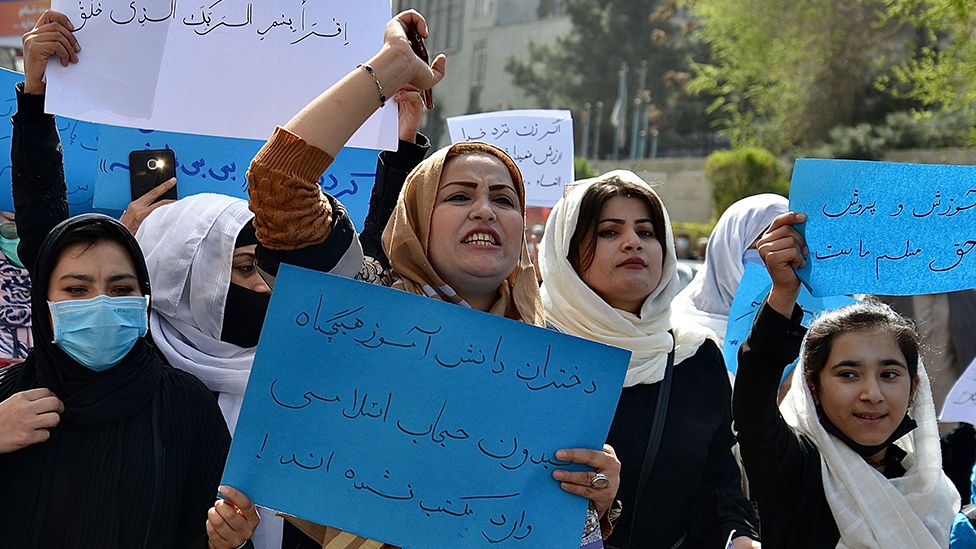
(736, 174)
(900, 130)
(583, 169)
(693, 230)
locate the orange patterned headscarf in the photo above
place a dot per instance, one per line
(407, 235)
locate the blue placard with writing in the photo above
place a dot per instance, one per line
(207, 164)
(79, 143)
(886, 228)
(416, 422)
(750, 295)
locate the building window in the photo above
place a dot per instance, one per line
(479, 62)
(481, 7)
(443, 17)
(549, 8)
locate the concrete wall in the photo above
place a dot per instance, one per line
(680, 182)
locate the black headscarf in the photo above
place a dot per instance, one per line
(69, 490)
(90, 397)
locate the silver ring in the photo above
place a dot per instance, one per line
(599, 481)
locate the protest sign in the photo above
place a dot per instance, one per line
(886, 228)
(540, 142)
(206, 164)
(750, 295)
(960, 404)
(231, 68)
(416, 422)
(79, 143)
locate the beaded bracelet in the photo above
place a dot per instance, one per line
(379, 86)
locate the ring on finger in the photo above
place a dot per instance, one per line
(599, 481)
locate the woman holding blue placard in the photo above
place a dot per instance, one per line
(456, 233)
(851, 458)
(609, 266)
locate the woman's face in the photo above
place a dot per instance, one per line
(865, 388)
(86, 271)
(244, 271)
(628, 257)
(476, 228)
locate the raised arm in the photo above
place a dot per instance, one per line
(37, 167)
(294, 220)
(771, 451)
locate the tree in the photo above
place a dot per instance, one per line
(786, 72)
(582, 66)
(942, 73)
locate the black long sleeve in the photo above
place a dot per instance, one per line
(784, 468)
(392, 168)
(37, 173)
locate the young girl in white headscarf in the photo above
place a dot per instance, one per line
(708, 298)
(851, 458)
(609, 270)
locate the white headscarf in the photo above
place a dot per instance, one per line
(189, 248)
(708, 298)
(573, 308)
(914, 511)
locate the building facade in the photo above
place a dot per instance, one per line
(478, 37)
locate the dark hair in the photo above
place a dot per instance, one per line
(859, 317)
(91, 234)
(582, 247)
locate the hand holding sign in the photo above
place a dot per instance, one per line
(405, 395)
(51, 36)
(782, 250)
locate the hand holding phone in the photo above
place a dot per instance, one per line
(149, 169)
(417, 44)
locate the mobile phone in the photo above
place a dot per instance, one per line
(149, 169)
(417, 43)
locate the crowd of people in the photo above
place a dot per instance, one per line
(115, 429)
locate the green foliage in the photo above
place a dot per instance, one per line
(784, 72)
(581, 67)
(942, 72)
(736, 174)
(900, 130)
(582, 168)
(693, 230)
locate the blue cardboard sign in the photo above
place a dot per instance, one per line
(750, 295)
(79, 143)
(416, 422)
(886, 228)
(206, 164)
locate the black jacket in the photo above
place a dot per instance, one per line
(784, 467)
(137, 457)
(694, 491)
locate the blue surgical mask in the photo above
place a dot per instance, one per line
(752, 256)
(9, 248)
(99, 332)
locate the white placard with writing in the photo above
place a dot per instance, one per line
(540, 142)
(228, 68)
(960, 405)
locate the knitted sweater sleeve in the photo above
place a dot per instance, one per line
(290, 209)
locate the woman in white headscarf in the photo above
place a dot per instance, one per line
(708, 298)
(609, 270)
(208, 301)
(851, 458)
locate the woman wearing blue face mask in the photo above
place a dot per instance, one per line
(110, 446)
(138, 447)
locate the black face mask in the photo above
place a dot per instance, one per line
(243, 316)
(906, 426)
